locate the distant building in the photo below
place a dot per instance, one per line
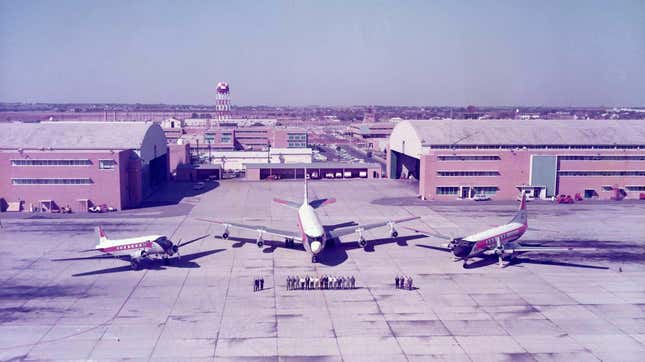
(45, 166)
(369, 133)
(460, 158)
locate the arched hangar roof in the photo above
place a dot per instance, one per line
(420, 134)
(139, 136)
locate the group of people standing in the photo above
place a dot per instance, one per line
(258, 284)
(403, 282)
(323, 282)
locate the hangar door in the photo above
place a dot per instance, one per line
(544, 171)
(402, 166)
(158, 170)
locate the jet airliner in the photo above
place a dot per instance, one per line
(313, 235)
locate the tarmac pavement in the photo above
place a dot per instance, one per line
(545, 307)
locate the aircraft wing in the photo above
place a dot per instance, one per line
(429, 233)
(258, 228)
(291, 204)
(354, 229)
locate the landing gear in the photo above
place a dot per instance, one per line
(465, 263)
(394, 234)
(314, 259)
(288, 242)
(225, 235)
(135, 264)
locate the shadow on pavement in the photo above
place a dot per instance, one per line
(185, 261)
(172, 192)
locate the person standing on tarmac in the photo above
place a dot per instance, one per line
(255, 284)
(262, 283)
(353, 282)
(396, 281)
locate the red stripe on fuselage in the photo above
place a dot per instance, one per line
(302, 230)
(483, 244)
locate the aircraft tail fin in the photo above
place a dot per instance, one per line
(101, 236)
(521, 216)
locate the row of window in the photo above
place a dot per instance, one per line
(51, 181)
(454, 190)
(467, 173)
(603, 158)
(76, 162)
(601, 173)
(132, 246)
(296, 137)
(467, 158)
(635, 188)
(103, 164)
(447, 190)
(297, 144)
(558, 147)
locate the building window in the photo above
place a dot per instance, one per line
(635, 188)
(54, 162)
(488, 190)
(467, 158)
(447, 190)
(106, 164)
(601, 173)
(51, 181)
(602, 158)
(534, 147)
(468, 173)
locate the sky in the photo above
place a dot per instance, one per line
(484, 53)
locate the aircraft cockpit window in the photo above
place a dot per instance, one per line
(317, 238)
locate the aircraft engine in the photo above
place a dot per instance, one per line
(172, 250)
(143, 253)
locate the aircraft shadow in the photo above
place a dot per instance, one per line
(492, 259)
(334, 254)
(186, 261)
(432, 247)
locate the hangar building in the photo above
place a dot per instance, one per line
(460, 158)
(49, 165)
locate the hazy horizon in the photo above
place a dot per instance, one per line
(440, 53)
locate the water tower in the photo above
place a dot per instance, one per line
(223, 102)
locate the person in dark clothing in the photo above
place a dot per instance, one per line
(307, 282)
(262, 283)
(255, 284)
(396, 281)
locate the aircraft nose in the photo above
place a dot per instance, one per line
(315, 246)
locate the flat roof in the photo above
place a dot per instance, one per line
(313, 165)
(526, 132)
(74, 135)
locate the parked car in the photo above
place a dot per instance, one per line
(481, 197)
(101, 208)
(578, 197)
(564, 199)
